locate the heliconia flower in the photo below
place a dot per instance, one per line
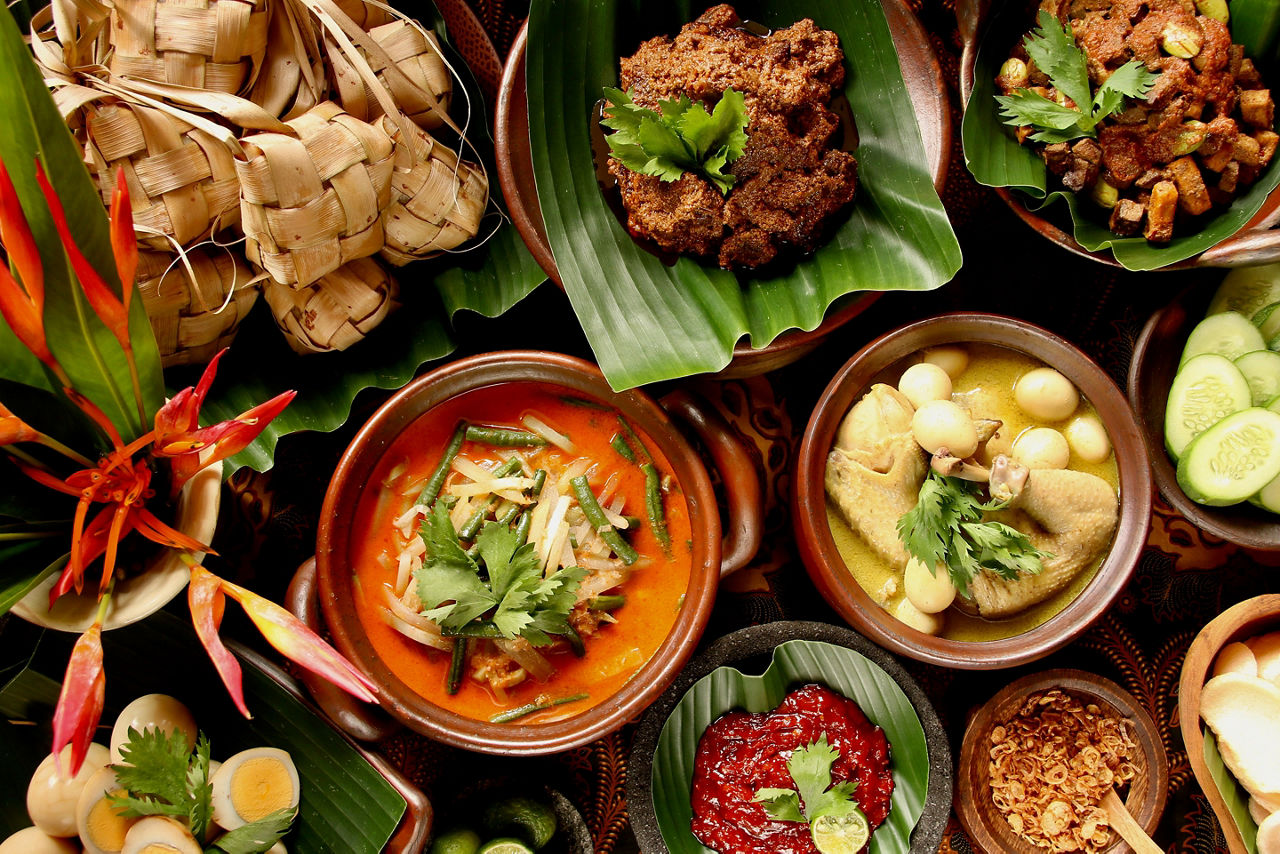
(206, 601)
(124, 244)
(93, 543)
(181, 413)
(193, 450)
(19, 244)
(14, 429)
(84, 691)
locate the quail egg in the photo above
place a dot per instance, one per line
(51, 796)
(150, 711)
(157, 834)
(101, 826)
(33, 840)
(253, 784)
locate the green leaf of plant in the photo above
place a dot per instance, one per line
(25, 564)
(1025, 107)
(794, 663)
(655, 321)
(256, 837)
(781, 804)
(1053, 48)
(85, 348)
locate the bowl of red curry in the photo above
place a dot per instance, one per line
(788, 738)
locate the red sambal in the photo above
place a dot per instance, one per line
(742, 753)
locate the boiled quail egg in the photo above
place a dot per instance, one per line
(1042, 448)
(33, 840)
(943, 424)
(930, 624)
(152, 711)
(930, 591)
(52, 796)
(924, 382)
(1088, 439)
(253, 784)
(950, 357)
(1045, 394)
(157, 834)
(101, 826)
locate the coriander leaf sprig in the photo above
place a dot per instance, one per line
(826, 808)
(1052, 47)
(682, 138)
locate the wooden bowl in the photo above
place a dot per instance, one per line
(1155, 361)
(337, 546)
(987, 828)
(828, 569)
(1239, 622)
(925, 83)
(1255, 243)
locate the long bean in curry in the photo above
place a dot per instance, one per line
(595, 515)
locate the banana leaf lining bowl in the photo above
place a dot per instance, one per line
(790, 654)
(925, 89)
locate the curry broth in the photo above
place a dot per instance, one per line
(986, 390)
(654, 592)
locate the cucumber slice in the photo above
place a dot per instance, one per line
(1228, 334)
(1268, 498)
(1246, 290)
(1232, 460)
(1274, 405)
(1268, 320)
(1262, 370)
(1207, 389)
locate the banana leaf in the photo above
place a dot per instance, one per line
(1233, 793)
(995, 159)
(346, 804)
(82, 344)
(487, 279)
(647, 321)
(794, 663)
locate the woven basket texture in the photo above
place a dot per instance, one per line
(438, 201)
(193, 319)
(205, 44)
(182, 181)
(311, 203)
(422, 76)
(337, 310)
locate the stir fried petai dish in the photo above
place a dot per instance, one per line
(972, 492)
(725, 143)
(1145, 105)
(526, 554)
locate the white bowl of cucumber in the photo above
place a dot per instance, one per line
(1205, 384)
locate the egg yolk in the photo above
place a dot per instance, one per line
(259, 787)
(106, 826)
(158, 848)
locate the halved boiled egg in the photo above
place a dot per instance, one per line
(153, 711)
(33, 840)
(101, 826)
(52, 795)
(252, 784)
(157, 834)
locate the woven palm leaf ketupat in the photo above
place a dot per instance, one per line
(419, 83)
(311, 203)
(337, 310)
(193, 318)
(438, 201)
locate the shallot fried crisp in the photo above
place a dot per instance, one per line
(1051, 765)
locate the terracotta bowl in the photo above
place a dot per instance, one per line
(818, 547)
(1239, 622)
(1151, 371)
(928, 90)
(336, 546)
(1255, 243)
(987, 827)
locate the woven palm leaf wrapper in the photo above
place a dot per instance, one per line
(411, 67)
(365, 15)
(195, 317)
(312, 202)
(205, 44)
(438, 201)
(335, 311)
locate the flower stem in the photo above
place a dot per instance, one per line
(70, 453)
(104, 600)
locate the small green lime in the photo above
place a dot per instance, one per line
(532, 821)
(845, 834)
(505, 846)
(460, 840)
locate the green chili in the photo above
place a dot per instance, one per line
(432, 487)
(653, 505)
(530, 708)
(456, 666)
(500, 437)
(595, 515)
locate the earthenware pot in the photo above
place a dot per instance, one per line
(139, 593)
(336, 546)
(987, 827)
(1155, 361)
(817, 545)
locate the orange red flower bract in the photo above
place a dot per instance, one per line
(84, 691)
(19, 243)
(124, 245)
(206, 600)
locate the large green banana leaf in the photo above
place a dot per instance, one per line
(647, 321)
(996, 159)
(794, 663)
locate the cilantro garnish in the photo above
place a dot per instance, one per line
(814, 796)
(1052, 47)
(682, 138)
(511, 590)
(257, 836)
(945, 527)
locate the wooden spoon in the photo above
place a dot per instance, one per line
(1128, 828)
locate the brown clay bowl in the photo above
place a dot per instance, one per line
(336, 547)
(828, 569)
(925, 84)
(1239, 622)
(1255, 243)
(1151, 371)
(987, 828)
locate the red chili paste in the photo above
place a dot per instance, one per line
(742, 753)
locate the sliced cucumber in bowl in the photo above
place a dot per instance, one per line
(1207, 388)
(1233, 460)
(1261, 369)
(1247, 290)
(1229, 334)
